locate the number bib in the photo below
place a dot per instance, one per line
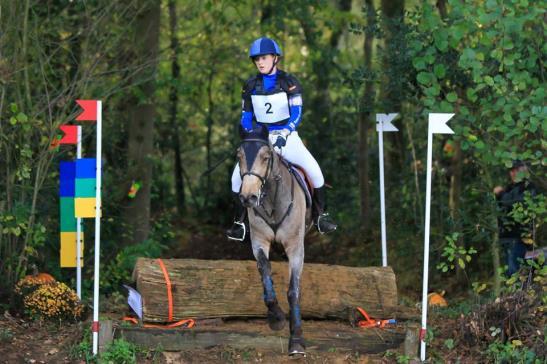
(269, 109)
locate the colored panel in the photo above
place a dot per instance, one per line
(68, 220)
(66, 176)
(85, 187)
(84, 206)
(68, 250)
(86, 167)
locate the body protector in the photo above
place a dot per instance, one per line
(270, 107)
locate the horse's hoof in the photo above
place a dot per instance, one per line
(276, 319)
(297, 347)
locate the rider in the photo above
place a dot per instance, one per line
(274, 98)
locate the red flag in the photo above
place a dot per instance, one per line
(71, 134)
(90, 110)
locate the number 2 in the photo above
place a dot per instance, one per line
(269, 106)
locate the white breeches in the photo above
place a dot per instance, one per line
(295, 152)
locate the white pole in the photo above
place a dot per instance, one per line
(383, 125)
(79, 226)
(95, 327)
(426, 242)
(436, 125)
(382, 194)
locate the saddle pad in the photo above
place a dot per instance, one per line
(302, 180)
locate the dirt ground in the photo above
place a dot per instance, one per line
(24, 341)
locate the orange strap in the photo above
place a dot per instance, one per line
(369, 322)
(169, 293)
(188, 322)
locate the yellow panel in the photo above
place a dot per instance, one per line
(84, 207)
(68, 250)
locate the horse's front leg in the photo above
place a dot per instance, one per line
(276, 316)
(296, 262)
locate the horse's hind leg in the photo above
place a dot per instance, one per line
(276, 316)
(296, 262)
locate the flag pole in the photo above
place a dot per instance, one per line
(79, 225)
(95, 326)
(426, 242)
(436, 125)
(383, 124)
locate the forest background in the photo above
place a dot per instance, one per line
(170, 74)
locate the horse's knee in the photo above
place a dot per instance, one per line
(264, 266)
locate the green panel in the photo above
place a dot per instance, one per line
(68, 220)
(85, 187)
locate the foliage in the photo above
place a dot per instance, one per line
(454, 253)
(118, 271)
(512, 352)
(119, 351)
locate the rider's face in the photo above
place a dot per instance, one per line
(264, 63)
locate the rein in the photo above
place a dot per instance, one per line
(272, 224)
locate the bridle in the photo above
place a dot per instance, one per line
(274, 225)
(263, 179)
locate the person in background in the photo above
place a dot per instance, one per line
(515, 238)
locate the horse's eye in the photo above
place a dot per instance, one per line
(266, 158)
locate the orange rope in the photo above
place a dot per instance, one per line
(369, 322)
(169, 294)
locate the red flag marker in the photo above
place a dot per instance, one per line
(90, 110)
(71, 134)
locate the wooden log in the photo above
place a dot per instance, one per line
(226, 288)
(320, 336)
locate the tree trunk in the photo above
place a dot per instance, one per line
(174, 99)
(364, 121)
(141, 122)
(224, 288)
(393, 12)
(320, 104)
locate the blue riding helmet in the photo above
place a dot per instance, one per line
(263, 46)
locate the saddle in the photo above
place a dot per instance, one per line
(302, 179)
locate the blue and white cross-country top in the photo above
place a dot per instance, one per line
(272, 100)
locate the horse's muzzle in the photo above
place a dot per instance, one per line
(249, 201)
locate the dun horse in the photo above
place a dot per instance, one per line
(277, 211)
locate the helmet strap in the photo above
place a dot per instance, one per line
(276, 60)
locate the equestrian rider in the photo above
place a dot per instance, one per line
(274, 98)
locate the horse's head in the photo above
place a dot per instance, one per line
(255, 156)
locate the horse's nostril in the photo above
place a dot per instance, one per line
(253, 199)
(242, 199)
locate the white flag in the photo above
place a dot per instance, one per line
(385, 121)
(437, 123)
(134, 300)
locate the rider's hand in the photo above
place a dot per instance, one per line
(278, 138)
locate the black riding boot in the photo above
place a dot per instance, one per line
(321, 219)
(237, 230)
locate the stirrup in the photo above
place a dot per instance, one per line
(323, 216)
(244, 231)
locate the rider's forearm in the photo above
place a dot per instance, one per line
(247, 120)
(295, 103)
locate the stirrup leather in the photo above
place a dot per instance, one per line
(242, 224)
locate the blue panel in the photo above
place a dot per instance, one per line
(67, 179)
(85, 168)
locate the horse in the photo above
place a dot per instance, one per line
(277, 212)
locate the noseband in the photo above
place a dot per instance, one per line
(262, 179)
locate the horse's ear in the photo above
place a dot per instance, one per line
(242, 132)
(264, 132)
